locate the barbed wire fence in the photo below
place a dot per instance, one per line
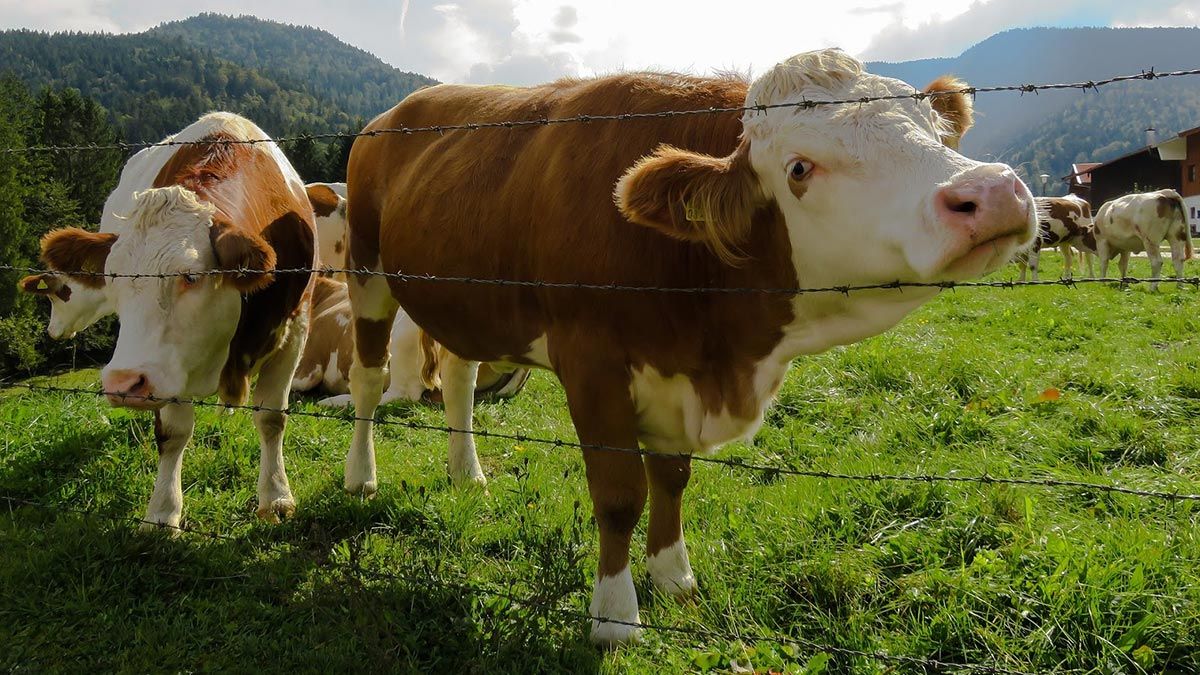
(554, 604)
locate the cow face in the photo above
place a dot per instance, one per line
(869, 191)
(175, 330)
(73, 305)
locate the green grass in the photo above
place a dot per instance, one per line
(1026, 578)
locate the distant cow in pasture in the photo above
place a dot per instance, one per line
(1062, 222)
(413, 372)
(770, 198)
(1140, 222)
(214, 204)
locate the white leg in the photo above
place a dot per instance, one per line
(1068, 258)
(1155, 257)
(405, 360)
(458, 394)
(275, 501)
(1123, 264)
(614, 597)
(374, 309)
(173, 426)
(1178, 255)
(1034, 255)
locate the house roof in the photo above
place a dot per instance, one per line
(1082, 172)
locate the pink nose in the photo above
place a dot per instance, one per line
(985, 203)
(128, 389)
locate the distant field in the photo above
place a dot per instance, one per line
(1097, 384)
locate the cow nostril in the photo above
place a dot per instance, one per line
(967, 207)
(140, 384)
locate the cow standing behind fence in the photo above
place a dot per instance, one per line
(1062, 223)
(1140, 222)
(772, 198)
(217, 204)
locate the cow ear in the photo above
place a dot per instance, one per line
(693, 197)
(40, 284)
(323, 199)
(956, 109)
(244, 255)
(71, 249)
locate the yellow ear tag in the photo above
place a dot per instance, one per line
(692, 213)
(42, 285)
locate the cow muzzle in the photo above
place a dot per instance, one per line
(989, 214)
(130, 389)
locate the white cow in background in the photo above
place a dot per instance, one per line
(1140, 222)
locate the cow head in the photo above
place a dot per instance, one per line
(870, 192)
(73, 305)
(175, 329)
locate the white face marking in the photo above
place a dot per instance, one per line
(174, 331)
(876, 169)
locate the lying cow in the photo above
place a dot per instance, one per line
(1140, 222)
(1062, 223)
(772, 198)
(213, 205)
(413, 372)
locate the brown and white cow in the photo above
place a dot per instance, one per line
(1140, 222)
(213, 205)
(1062, 223)
(329, 207)
(770, 199)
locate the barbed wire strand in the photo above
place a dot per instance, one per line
(734, 463)
(1193, 281)
(803, 104)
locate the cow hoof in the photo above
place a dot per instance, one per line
(671, 571)
(469, 481)
(613, 635)
(364, 489)
(163, 527)
(277, 510)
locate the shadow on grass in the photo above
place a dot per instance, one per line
(84, 593)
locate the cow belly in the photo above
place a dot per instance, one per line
(673, 418)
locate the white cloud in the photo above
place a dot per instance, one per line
(526, 41)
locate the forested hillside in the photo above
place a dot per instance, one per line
(41, 191)
(354, 81)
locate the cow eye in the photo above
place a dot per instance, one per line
(799, 169)
(190, 279)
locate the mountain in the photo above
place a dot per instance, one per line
(354, 81)
(1047, 131)
(287, 79)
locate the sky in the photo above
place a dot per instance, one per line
(529, 41)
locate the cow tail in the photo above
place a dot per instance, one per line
(1177, 202)
(431, 356)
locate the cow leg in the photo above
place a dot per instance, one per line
(1068, 258)
(1123, 264)
(458, 395)
(1178, 256)
(404, 372)
(275, 501)
(374, 309)
(666, 553)
(604, 415)
(1034, 254)
(1023, 265)
(1155, 257)
(173, 425)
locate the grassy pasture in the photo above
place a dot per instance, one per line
(1031, 579)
